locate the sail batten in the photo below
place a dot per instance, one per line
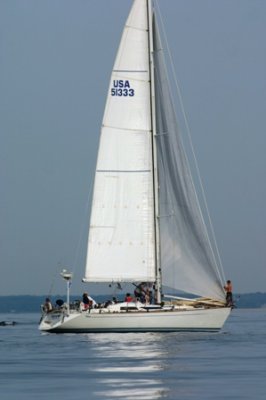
(123, 171)
(130, 70)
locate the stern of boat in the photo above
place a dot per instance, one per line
(53, 321)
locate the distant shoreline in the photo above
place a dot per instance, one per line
(32, 304)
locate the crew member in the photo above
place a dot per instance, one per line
(229, 293)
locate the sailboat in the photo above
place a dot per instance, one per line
(146, 223)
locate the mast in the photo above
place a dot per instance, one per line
(158, 288)
(67, 276)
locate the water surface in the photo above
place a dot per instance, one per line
(226, 365)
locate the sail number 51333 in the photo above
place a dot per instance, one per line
(122, 88)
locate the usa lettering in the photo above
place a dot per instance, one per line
(122, 88)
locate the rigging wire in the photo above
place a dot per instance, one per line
(78, 247)
(84, 224)
(188, 131)
(56, 273)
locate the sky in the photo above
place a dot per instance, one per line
(55, 63)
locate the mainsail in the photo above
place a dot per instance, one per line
(121, 236)
(122, 228)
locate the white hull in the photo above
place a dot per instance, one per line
(159, 321)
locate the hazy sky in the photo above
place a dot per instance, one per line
(55, 62)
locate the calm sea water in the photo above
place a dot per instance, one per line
(226, 365)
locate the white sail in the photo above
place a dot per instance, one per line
(187, 260)
(121, 236)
